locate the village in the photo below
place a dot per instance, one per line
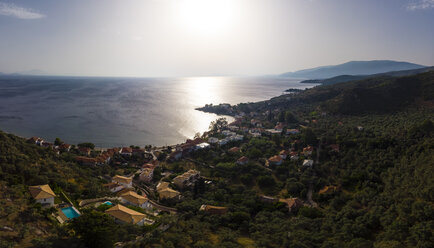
(151, 188)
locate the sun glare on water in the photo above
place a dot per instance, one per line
(205, 17)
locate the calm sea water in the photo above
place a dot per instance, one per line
(123, 111)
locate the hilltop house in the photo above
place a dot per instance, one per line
(187, 179)
(127, 182)
(123, 214)
(243, 160)
(43, 194)
(234, 150)
(294, 155)
(132, 198)
(85, 151)
(284, 154)
(165, 192)
(275, 160)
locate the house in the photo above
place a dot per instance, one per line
(292, 131)
(234, 150)
(126, 151)
(213, 140)
(200, 146)
(36, 140)
(279, 127)
(307, 151)
(334, 148)
(132, 198)
(187, 179)
(273, 131)
(275, 160)
(123, 214)
(85, 151)
(127, 182)
(165, 192)
(228, 133)
(223, 142)
(243, 160)
(284, 154)
(113, 187)
(43, 194)
(65, 147)
(213, 209)
(293, 204)
(268, 199)
(307, 163)
(86, 161)
(147, 175)
(294, 155)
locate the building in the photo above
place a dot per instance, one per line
(132, 198)
(279, 127)
(85, 151)
(213, 140)
(165, 192)
(64, 147)
(292, 131)
(123, 214)
(127, 182)
(294, 155)
(113, 187)
(243, 160)
(86, 161)
(147, 175)
(126, 151)
(234, 150)
(200, 146)
(307, 163)
(43, 194)
(213, 209)
(275, 160)
(284, 154)
(307, 151)
(187, 179)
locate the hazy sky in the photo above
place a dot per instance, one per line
(209, 37)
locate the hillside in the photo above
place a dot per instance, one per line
(353, 68)
(348, 78)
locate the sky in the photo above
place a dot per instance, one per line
(171, 38)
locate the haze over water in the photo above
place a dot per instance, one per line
(123, 111)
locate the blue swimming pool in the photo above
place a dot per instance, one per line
(71, 212)
(107, 203)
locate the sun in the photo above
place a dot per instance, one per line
(205, 17)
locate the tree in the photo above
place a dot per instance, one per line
(58, 142)
(218, 124)
(290, 118)
(309, 137)
(87, 144)
(95, 229)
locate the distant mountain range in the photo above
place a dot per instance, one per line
(348, 78)
(25, 73)
(353, 68)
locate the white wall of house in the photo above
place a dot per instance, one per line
(49, 201)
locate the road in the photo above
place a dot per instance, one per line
(310, 190)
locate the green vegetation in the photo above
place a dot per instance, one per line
(382, 178)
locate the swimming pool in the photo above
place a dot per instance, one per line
(71, 212)
(107, 203)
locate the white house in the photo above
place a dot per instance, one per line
(43, 194)
(114, 187)
(307, 163)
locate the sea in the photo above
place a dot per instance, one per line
(115, 112)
